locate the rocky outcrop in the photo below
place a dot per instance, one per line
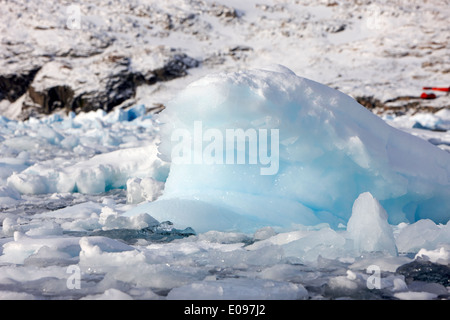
(99, 82)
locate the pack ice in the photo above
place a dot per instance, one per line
(330, 150)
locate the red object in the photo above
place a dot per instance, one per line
(428, 96)
(437, 89)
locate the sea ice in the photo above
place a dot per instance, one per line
(330, 151)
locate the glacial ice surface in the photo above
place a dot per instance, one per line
(330, 151)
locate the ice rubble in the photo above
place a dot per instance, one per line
(331, 150)
(244, 289)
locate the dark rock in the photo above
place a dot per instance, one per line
(426, 271)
